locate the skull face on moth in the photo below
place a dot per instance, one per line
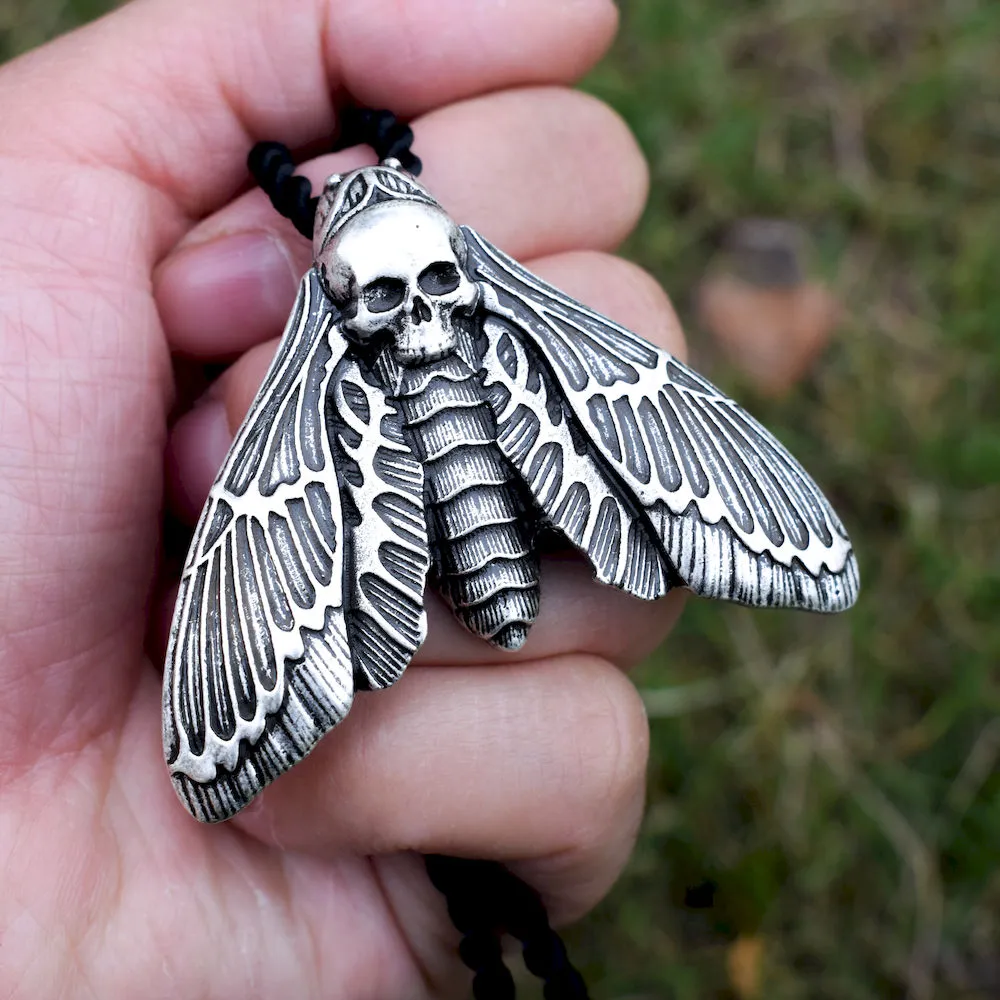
(398, 271)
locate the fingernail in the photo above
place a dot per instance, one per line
(244, 258)
(202, 289)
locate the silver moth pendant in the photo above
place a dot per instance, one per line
(431, 407)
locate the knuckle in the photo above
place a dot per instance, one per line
(240, 383)
(609, 174)
(660, 323)
(607, 138)
(613, 749)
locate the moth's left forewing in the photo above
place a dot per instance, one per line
(258, 665)
(733, 515)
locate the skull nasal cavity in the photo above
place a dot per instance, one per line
(421, 311)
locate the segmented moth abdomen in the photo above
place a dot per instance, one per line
(484, 551)
(489, 574)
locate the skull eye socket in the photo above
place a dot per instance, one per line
(384, 294)
(439, 279)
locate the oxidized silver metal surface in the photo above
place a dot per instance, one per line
(431, 407)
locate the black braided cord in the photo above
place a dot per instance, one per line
(484, 899)
(272, 167)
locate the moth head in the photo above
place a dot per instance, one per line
(398, 273)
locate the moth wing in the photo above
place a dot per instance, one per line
(657, 475)
(382, 492)
(258, 665)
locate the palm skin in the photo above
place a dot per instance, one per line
(128, 250)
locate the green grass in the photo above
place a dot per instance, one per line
(844, 797)
(835, 780)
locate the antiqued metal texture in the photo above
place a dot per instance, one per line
(432, 406)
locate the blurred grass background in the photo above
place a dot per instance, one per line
(824, 810)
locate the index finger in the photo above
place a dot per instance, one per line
(175, 93)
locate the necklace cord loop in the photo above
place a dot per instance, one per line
(272, 167)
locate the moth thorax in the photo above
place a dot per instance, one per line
(398, 273)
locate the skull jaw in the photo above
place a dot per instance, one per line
(424, 342)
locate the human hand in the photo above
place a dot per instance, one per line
(129, 254)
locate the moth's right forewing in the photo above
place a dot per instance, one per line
(258, 665)
(673, 459)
